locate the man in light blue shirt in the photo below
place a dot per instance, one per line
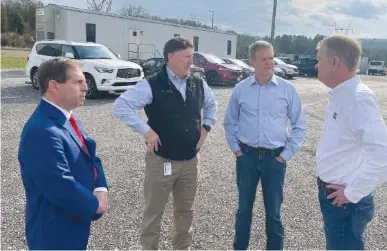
(256, 131)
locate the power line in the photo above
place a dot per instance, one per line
(345, 30)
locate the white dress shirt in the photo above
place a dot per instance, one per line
(67, 115)
(353, 145)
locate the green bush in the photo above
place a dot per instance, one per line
(5, 41)
(13, 39)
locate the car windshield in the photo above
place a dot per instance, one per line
(239, 63)
(376, 63)
(279, 61)
(214, 59)
(94, 52)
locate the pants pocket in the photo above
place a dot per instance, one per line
(364, 212)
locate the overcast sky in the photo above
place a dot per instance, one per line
(297, 17)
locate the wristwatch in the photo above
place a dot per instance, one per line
(207, 127)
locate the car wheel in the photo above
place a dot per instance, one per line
(213, 78)
(34, 79)
(92, 91)
(310, 74)
(283, 74)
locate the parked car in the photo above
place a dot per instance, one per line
(217, 71)
(247, 70)
(377, 67)
(290, 70)
(279, 72)
(286, 60)
(306, 66)
(104, 71)
(153, 65)
(245, 60)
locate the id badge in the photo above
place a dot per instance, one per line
(167, 168)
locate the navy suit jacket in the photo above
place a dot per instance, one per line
(58, 178)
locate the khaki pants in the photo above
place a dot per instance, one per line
(157, 188)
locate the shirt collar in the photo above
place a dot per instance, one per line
(64, 111)
(273, 80)
(345, 91)
(172, 75)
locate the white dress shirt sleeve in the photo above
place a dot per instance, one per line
(368, 126)
(100, 189)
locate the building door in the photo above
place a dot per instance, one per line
(134, 44)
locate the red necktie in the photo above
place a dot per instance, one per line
(74, 123)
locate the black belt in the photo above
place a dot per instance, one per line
(263, 151)
(323, 185)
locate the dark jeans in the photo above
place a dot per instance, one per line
(250, 168)
(344, 226)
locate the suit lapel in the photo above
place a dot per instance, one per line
(60, 119)
(67, 125)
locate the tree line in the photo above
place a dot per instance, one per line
(18, 22)
(18, 29)
(287, 44)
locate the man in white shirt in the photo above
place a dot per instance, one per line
(352, 154)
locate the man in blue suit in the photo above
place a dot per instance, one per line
(63, 178)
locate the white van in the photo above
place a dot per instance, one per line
(377, 67)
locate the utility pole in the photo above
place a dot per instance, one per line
(273, 22)
(212, 17)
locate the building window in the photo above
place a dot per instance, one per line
(90, 32)
(228, 47)
(176, 35)
(50, 35)
(196, 43)
(134, 33)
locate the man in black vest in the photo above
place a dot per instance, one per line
(173, 100)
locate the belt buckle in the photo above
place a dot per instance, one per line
(262, 151)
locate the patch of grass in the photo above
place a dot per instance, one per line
(13, 58)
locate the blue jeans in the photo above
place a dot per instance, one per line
(344, 226)
(250, 168)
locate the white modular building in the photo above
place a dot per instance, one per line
(132, 38)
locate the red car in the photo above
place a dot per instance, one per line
(217, 71)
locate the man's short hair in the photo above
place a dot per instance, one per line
(54, 69)
(344, 47)
(176, 44)
(256, 46)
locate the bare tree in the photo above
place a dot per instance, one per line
(134, 11)
(99, 5)
(273, 22)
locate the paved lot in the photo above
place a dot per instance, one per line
(123, 152)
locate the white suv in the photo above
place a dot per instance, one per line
(104, 71)
(377, 67)
(289, 69)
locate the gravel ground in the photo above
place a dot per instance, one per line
(123, 152)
